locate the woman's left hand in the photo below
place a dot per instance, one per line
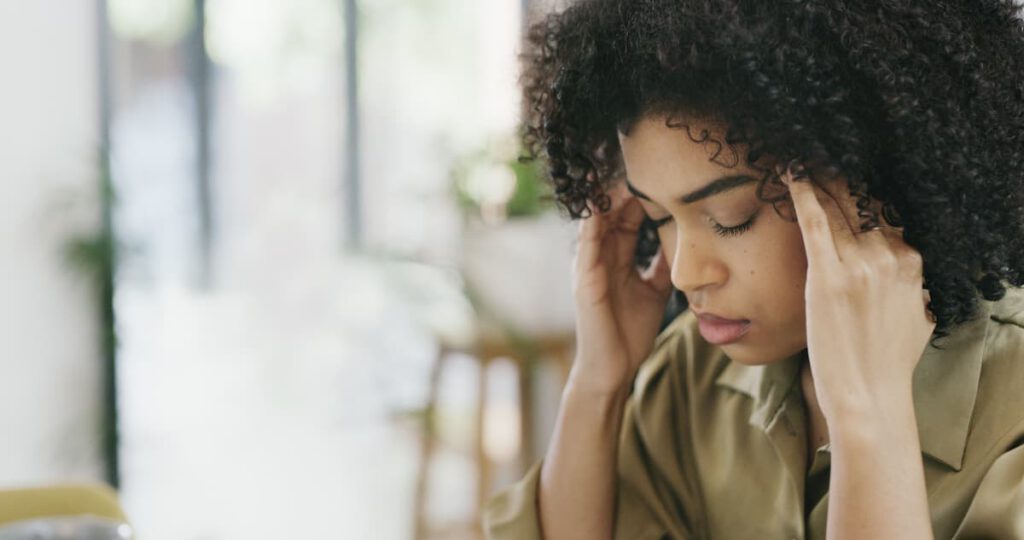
(867, 322)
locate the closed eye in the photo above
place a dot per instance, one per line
(733, 231)
(719, 229)
(659, 223)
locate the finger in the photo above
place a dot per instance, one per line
(619, 195)
(911, 261)
(844, 235)
(627, 233)
(839, 191)
(659, 273)
(589, 237)
(622, 224)
(632, 215)
(625, 212)
(847, 202)
(815, 226)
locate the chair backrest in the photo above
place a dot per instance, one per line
(60, 500)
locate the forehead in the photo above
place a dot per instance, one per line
(664, 160)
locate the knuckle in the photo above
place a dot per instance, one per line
(910, 264)
(912, 258)
(841, 284)
(817, 223)
(858, 272)
(886, 262)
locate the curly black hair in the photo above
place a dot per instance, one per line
(917, 103)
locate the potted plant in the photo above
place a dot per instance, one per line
(517, 250)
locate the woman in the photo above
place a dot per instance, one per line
(837, 189)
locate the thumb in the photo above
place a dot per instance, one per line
(658, 274)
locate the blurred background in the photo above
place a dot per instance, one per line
(271, 268)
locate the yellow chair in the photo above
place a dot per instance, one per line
(61, 500)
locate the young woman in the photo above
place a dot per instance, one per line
(837, 189)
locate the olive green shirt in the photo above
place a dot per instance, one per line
(711, 448)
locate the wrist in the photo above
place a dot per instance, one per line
(868, 401)
(597, 384)
(601, 394)
(872, 419)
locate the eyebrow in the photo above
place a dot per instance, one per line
(714, 187)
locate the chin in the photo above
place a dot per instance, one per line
(746, 359)
(752, 356)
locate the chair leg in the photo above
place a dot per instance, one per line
(482, 460)
(427, 444)
(526, 429)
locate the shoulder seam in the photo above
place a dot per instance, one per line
(1008, 320)
(1010, 308)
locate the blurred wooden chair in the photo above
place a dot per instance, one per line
(60, 501)
(491, 342)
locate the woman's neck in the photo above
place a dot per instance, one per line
(817, 428)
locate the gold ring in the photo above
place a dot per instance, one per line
(870, 229)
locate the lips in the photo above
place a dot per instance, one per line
(719, 330)
(705, 315)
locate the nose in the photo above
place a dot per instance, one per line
(695, 266)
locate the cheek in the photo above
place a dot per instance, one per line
(774, 262)
(770, 258)
(775, 274)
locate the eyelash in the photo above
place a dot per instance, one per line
(719, 229)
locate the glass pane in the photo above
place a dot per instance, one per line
(280, 398)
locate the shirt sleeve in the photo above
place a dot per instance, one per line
(512, 513)
(997, 510)
(641, 512)
(654, 498)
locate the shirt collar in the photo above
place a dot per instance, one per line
(945, 386)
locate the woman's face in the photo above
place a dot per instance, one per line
(730, 253)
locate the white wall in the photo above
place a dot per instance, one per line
(49, 361)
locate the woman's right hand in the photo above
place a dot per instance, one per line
(618, 307)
